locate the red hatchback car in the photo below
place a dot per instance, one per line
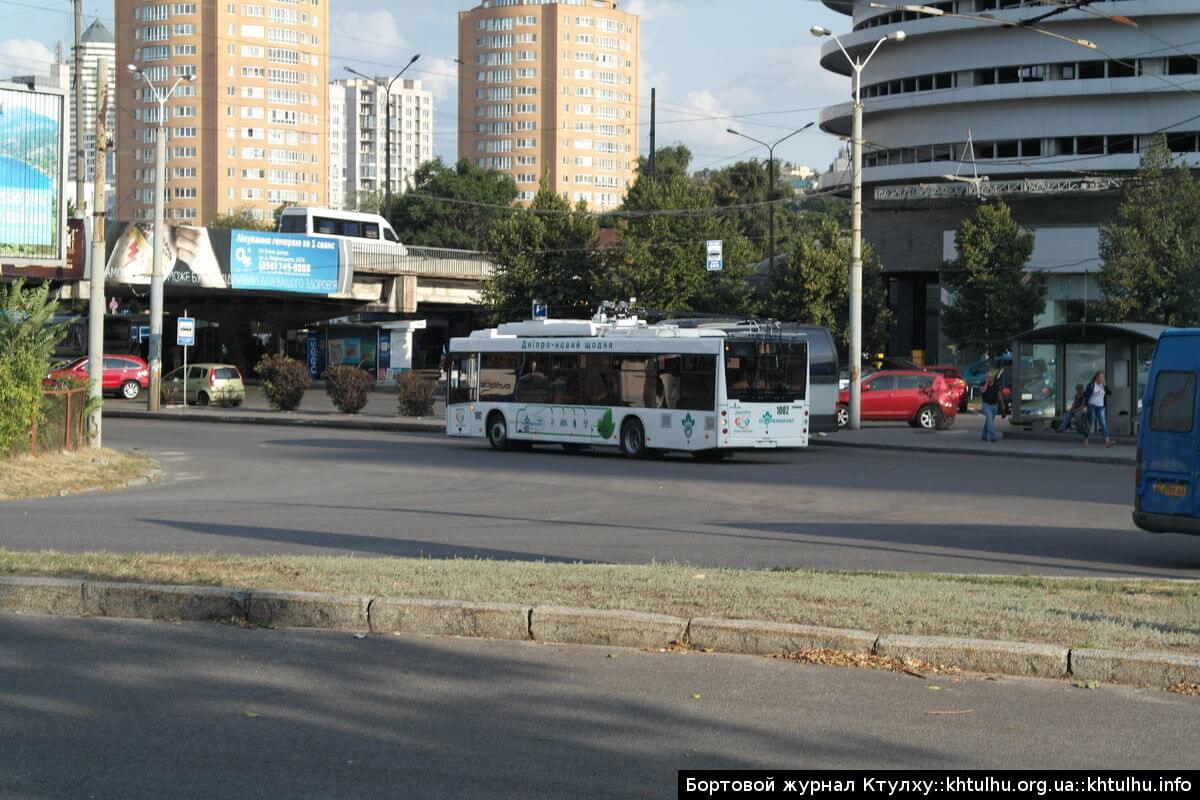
(123, 375)
(922, 399)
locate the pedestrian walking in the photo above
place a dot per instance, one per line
(991, 404)
(1096, 398)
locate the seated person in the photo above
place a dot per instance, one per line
(1076, 411)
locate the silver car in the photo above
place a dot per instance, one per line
(206, 383)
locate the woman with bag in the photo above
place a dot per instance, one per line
(1096, 400)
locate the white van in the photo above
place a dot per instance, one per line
(339, 224)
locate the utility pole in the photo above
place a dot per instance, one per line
(96, 294)
(653, 104)
(770, 186)
(856, 145)
(156, 268)
(80, 159)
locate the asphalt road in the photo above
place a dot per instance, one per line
(263, 489)
(120, 709)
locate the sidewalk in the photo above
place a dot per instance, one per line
(380, 415)
(964, 439)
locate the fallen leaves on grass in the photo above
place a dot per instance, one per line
(1087, 684)
(840, 658)
(1183, 687)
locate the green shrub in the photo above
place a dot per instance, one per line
(284, 381)
(347, 387)
(28, 336)
(415, 395)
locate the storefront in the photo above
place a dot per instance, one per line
(1048, 363)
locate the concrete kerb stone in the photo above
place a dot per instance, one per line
(309, 610)
(58, 597)
(147, 601)
(1160, 670)
(770, 638)
(450, 618)
(980, 655)
(614, 628)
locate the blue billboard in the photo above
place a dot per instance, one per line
(283, 262)
(31, 192)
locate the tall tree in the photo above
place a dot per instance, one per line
(811, 283)
(661, 252)
(995, 297)
(1150, 254)
(452, 206)
(547, 253)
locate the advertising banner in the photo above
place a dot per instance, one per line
(223, 259)
(32, 226)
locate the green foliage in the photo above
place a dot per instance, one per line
(811, 283)
(549, 257)
(347, 387)
(605, 426)
(660, 258)
(284, 381)
(243, 219)
(414, 395)
(27, 340)
(995, 298)
(1151, 251)
(419, 220)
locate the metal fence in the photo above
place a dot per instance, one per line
(434, 262)
(64, 423)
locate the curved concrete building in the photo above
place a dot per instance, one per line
(1053, 124)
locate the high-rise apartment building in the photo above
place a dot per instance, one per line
(249, 132)
(548, 89)
(95, 43)
(358, 139)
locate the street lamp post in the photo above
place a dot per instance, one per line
(387, 125)
(771, 186)
(156, 270)
(856, 145)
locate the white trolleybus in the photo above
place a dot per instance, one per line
(645, 389)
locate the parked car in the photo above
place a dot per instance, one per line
(976, 374)
(955, 380)
(124, 375)
(920, 398)
(206, 383)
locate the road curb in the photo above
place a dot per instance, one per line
(966, 451)
(1160, 670)
(281, 419)
(980, 655)
(563, 625)
(614, 628)
(308, 610)
(450, 618)
(753, 637)
(54, 597)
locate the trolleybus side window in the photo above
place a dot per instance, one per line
(533, 384)
(498, 376)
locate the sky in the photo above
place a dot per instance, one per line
(716, 64)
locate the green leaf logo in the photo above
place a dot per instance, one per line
(605, 426)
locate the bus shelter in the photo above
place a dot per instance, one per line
(1048, 363)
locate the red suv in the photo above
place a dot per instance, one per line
(124, 375)
(922, 399)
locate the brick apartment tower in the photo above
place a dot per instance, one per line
(250, 132)
(550, 89)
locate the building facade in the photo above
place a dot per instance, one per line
(360, 140)
(249, 131)
(1052, 124)
(95, 43)
(548, 90)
